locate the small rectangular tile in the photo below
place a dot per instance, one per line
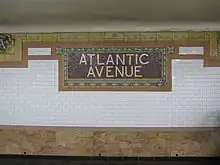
(39, 51)
(199, 36)
(114, 36)
(49, 37)
(181, 36)
(165, 36)
(191, 50)
(132, 36)
(99, 36)
(148, 36)
(34, 37)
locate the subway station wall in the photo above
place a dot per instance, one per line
(30, 96)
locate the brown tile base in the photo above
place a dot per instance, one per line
(23, 64)
(211, 63)
(80, 142)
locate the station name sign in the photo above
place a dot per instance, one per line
(114, 65)
(114, 68)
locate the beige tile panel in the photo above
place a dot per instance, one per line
(109, 143)
(195, 143)
(132, 143)
(25, 141)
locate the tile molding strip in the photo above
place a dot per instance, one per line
(124, 36)
(53, 45)
(106, 159)
(113, 129)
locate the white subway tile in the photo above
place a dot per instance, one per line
(31, 97)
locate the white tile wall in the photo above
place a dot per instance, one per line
(30, 97)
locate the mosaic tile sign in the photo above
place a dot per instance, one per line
(114, 68)
(6, 44)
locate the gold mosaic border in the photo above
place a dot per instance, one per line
(125, 36)
(113, 36)
(117, 36)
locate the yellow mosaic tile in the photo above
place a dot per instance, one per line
(34, 37)
(96, 36)
(132, 36)
(73, 37)
(64, 36)
(10, 58)
(81, 37)
(17, 52)
(20, 36)
(114, 36)
(148, 36)
(213, 44)
(207, 36)
(119, 36)
(181, 36)
(49, 37)
(198, 36)
(10, 50)
(165, 36)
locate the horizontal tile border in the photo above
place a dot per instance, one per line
(167, 87)
(108, 159)
(26, 45)
(115, 129)
(176, 44)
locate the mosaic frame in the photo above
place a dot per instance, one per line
(159, 84)
(7, 43)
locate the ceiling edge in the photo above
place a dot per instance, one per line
(110, 26)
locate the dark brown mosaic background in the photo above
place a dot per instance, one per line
(151, 70)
